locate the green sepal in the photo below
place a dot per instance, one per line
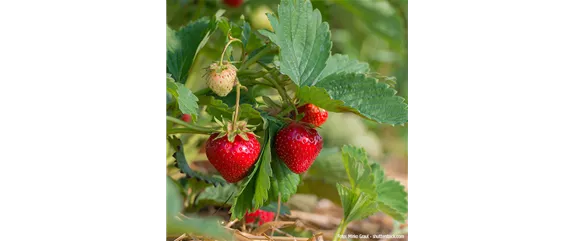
(241, 129)
(221, 135)
(244, 136)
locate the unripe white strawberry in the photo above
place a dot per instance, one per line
(221, 78)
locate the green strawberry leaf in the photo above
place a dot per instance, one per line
(270, 35)
(342, 84)
(245, 34)
(228, 27)
(284, 181)
(338, 63)
(223, 25)
(356, 204)
(186, 100)
(269, 177)
(183, 46)
(181, 163)
(263, 182)
(304, 41)
(358, 169)
(253, 192)
(171, 85)
(216, 195)
(369, 181)
(243, 201)
(241, 30)
(359, 94)
(391, 195)
(178, 224)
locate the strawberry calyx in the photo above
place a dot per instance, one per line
(241, 129)
(218, 68)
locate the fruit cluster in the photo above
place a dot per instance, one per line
(297, 144)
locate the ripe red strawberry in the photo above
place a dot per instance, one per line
(233, 159)
(262, 216)
(186, 117)
(233, 3)
(297, 145)
(313, 114)
(221, 78)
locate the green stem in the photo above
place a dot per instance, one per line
(184, 130)
(283, 93)
(251, 74)
(237, 97)
(254, 82)
(340, 230)
(265, 66)
(284, 111)
(257, 56)
(227, 45)
(189, 127)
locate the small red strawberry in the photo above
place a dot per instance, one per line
(233, 3)
(297, 145)
(262, 216)
(233, 157)
(313, 114)
(221, 78)
(186, 117)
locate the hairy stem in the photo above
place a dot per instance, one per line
(189, 128)
(283, 112)
(251, 74)
(283, 93)
(237, 97)
(252, 60)
(184, 130)
(227, 45)
(265, 66)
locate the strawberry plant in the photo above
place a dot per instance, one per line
(266, 94)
